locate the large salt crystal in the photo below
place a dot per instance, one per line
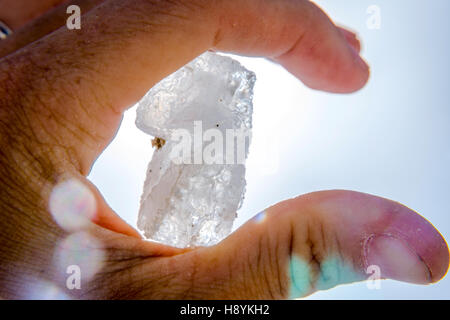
(195, 186)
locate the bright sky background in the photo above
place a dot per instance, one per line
(391, 139)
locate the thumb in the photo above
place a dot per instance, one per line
(318, 241)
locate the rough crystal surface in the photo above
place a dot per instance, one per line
(195, 204)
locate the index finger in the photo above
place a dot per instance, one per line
(82, 80)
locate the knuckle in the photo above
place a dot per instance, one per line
(270, 271)
(323, 252)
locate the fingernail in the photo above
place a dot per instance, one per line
(358, 59)
(395, 259)
(352, 40)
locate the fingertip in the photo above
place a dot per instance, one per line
(426, 240)
(407, 246)
(437, 258)
(351, 76)
(337, 81)
(110, 220)
(335, 68)
(106, 218)
(326, 57)
(385, 235)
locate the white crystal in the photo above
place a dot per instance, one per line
(195, 204)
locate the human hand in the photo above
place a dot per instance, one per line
(62, 99)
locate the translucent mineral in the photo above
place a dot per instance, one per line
(201, 118)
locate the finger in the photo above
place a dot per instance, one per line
(299, 36)
(43, 25)
(107, 218)
(318, 241)
(82, 80)
(17, 13)
(75, 202)
(351, 38)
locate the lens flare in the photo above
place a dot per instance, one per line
(44, 290)
(81, 250)
(72, 205)
(260, 217)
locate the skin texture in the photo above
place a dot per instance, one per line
(44, 24)
(17, 13)
(62, 98)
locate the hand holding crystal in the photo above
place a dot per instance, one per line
(62, 99)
